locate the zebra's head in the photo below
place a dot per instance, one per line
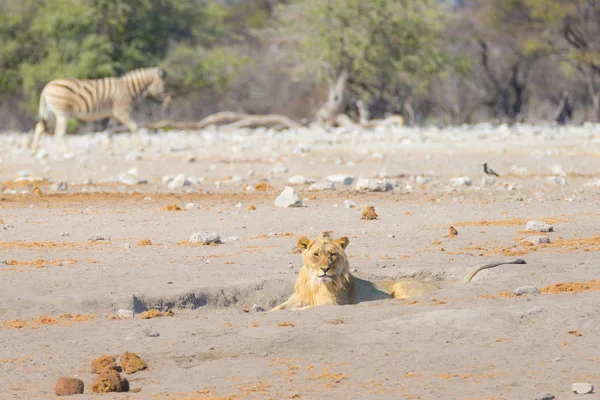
(158, 87)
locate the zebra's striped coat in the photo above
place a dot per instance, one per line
(95, 99)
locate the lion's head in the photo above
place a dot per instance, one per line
(325, 258)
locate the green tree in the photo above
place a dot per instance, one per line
(376, 50)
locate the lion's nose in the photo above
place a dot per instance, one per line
(325, 269)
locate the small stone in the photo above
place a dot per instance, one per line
(298, 180)
(538, 226)
(257, 308)
(64, 234)
(556, 180)
(178, 182)
(525, 290)
(544, 396)
(340, 178)
(535, 240)
(192, 206)
(125, 314)
(422, 180)
(288, 198)
(205, 237)
(373, 185)
(233, 239)
(265, 354)
(461, 181)
(128, 179)
(67, 386)
(349, 204)
(41, 154)
(149, 331)
(319, 186)
(97, 238)
(59, 186)
(582, 388)
(558, 170)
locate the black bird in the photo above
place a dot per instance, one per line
(488, 170)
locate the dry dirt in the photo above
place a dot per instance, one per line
(60, 292)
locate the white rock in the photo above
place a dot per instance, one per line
(537, 239)
(167, 178)
(461, 181)
(64, 234)
(558, 170)
(288, 198)
(349, 204)
(68, 156)
(373, 185)
(178, 183)
(23, 173)
(526, 290)
(59, 186)
(317, 187)
(128, 179)
(192, 206)
(544, 396)
(538, 226)
(41, 154)
(97, 238)
(340, 178)
(205, 237)
(125, 314)
(297, 180)
(149, 331)
(556, 180)
(595, 182)
(582, 388)
(422, 180)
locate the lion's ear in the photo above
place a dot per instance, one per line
(343, 242)
(303, 243)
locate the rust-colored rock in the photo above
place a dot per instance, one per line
(132, 363)
(110, 381)
(67, 386)
(369, 213)
(252, 207)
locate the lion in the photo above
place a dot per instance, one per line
(325, 278)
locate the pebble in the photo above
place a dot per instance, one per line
(349, 204)
(537, 240)
(544, 396)
(558, 170)
(65, 234)
(192, 206)
(319, 186)
(265, 354)
(461, 181)
(340, 178)
(257, 308)
(233, 239)
(373, 185)
(556, 180)
(59, 186)
(524, 290)
(97, 238)
(41, 154)
(125, 314)
(178, 182)
(538, 226)
(297, 180)
(582, 388)
(288, 198)
(205, 237)
(128, 179)
(422, 180)
(149, 331)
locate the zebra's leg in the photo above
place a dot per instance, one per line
(126, 120)
(40, 128)
(110, 129)
(61, 130)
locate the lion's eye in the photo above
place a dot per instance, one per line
(316, 254)
(334, 255)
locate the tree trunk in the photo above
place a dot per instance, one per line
(327, 113)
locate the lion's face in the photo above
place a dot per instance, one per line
(324, 257)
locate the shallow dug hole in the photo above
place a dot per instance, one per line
(265, 294)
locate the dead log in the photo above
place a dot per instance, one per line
(328, 112)
(263, 121)
(564, 111)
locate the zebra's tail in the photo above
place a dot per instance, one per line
(44, 113)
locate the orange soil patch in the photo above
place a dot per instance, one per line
(41, 263)
(571, 287)
(145, 242)
(155, 314)
(575, 333)
(335, 377)
(435, 302)
(501, 222)
(336, 321)
(285, 323)
(64, 320)
(44, 245)
(172, 207)
(507, 295)
(263, 187)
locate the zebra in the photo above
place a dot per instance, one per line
(95, 99)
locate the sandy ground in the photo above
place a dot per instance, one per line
(472, 341)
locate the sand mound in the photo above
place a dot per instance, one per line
(110, 381)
